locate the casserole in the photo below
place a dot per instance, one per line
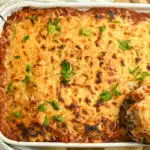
(81, 6)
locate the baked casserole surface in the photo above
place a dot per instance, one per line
(65, 73)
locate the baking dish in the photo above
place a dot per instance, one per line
(9, 10)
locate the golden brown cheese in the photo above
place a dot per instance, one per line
(103, 45)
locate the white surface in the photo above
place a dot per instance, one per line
(7, 11)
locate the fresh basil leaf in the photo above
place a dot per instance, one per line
(115, 91)
(142, 75)
(56, 21)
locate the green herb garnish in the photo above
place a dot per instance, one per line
(85, 32)
(124, 45)
(102, 28)
(46, 121)
(42, 107)
(141, 76)
(17, 114)
(115, 91)
(105, 95)
(28, 68)
(27, 37)
(10, 87)
(50, 27)
(26, 79)
(132, 71)
(67, 71)
(56, 21)
(33, 19)
(53, 26)
(17, 57)
(55, 105)
(58, 118)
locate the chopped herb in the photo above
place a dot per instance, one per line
(67, 71)
(124, 45)
(141, 76)
(42, 107)
(105, 95)
(51, 28)
(14, 31)
(58, 118)
(102, 28)
(26, 79)
(28, 68)
(56, 21)
(85, 32)
(115, 91)
(55, 105)
(58, 28)
(17, 57)
(17, 114)
(46, 121)
(27, 37)
(132, 71)
(10, 87)
(33, 19)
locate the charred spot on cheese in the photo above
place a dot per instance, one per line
(90, 128)
(87, 100)
(148, 67)
(114, 56)
(98, 77)
(72, 106)
(137, 59)
(122, 62)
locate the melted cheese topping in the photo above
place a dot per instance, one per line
(99, 64)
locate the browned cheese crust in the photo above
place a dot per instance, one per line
(102, 47)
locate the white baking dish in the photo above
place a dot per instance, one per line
(10, 9)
